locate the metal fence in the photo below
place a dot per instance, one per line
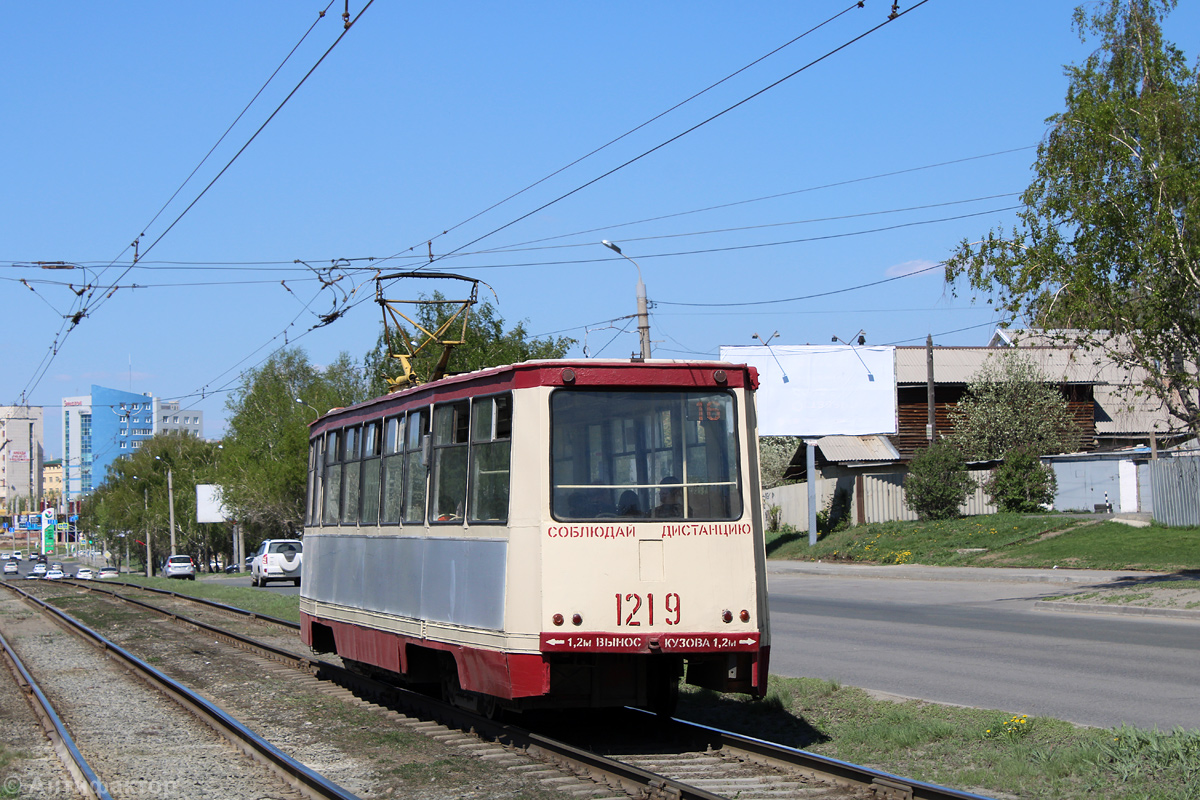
(1175, 484)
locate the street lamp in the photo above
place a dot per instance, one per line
(170, 501)
(643, 317)
(310, 408)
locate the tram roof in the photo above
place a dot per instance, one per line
(586, 372)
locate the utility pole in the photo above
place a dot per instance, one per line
(171, 513)
(931, 422)
(146, 507)
(642, 306)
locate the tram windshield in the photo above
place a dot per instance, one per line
(649, 454)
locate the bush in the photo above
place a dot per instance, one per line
(937, 482)
(1022, 483)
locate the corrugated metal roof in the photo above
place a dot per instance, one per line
(845, 449)
(960, 364)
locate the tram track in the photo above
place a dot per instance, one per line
(699, 762)
(132, 730)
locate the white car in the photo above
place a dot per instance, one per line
(38, 569)
(108, 572)
(10, 568)
(84, 574)
(277, 560)
(54, 574)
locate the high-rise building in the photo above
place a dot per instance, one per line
(169, 417)
(109, 424)
(21, 455)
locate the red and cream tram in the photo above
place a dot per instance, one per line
(547, 534)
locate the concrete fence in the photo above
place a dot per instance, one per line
(875, 496)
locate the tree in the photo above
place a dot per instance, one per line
(775, 455)
(1009, 404)
(1108, 240)
(486, 344)
(264, 464)
(937, 482)
(1022, 483)
(134, 499)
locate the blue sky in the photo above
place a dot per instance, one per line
(870, 164)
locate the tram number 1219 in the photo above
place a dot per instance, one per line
(632, 608)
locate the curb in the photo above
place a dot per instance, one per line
(974, 574)
(1101, 608)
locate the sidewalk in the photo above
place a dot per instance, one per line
(919, 572)
(1123, 592)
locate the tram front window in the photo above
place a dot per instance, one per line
(651, 454)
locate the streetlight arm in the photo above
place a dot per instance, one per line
(642, 305)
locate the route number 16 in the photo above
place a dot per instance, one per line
(629, 613)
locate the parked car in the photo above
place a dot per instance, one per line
(277, 560)
(39, 569)
(84, 574)
(54, 574)
(10, 567)
(108, 572)
(179, 567)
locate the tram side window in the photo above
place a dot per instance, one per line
(316, 469)
(372, 448)
(491, 435)
(352, 444)
(657, 454)
(450, 426)
(333, 479)
(393, 470)
(415, 468)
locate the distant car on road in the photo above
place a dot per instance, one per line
(84, 574)
(277, 560)
(108, 572)
(39, 569)
(179, 567)
(10, 567)
(54, 574)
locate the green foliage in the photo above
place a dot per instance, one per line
(1022, 483)
(1107, 242)
(1009, 404)
(264, 464)
(775, 453)
(836, 514)
(134, 499)
(937, 482)
(486, 344)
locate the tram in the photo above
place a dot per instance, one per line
(549, 534)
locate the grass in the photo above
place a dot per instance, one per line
(986, 751)
(265, 602)
(1001, 540)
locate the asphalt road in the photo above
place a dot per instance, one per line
(982, 644)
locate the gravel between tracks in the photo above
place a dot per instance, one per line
(140, 743)
(34, 766)
(363, 749)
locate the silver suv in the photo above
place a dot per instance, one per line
(277, 560)
(179, 567)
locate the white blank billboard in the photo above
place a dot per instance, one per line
(209, 507)
(822, 390)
